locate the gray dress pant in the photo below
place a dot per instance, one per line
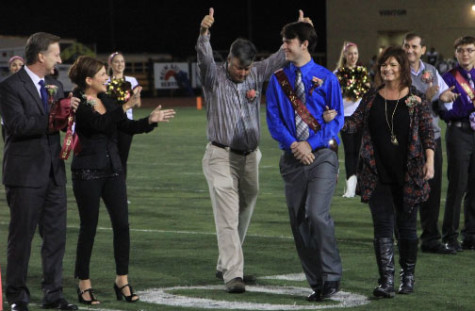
(309, 190)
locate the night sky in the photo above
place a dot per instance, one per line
(159, 26)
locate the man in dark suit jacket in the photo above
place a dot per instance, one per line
(34, 175)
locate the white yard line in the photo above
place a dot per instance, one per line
(162, 297)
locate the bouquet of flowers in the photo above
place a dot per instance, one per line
(354, 82)
(120, 90)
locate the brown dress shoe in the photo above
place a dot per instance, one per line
(235, 286)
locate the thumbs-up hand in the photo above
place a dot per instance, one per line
(207, 22)
(304, 19)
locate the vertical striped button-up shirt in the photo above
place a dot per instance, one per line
(233, 116)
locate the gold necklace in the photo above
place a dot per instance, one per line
(394, 140)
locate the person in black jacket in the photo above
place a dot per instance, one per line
(34, 175)
(97, 170)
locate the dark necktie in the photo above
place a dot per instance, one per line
(44, 95)
(300, 125)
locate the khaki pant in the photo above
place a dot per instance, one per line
(233, 182)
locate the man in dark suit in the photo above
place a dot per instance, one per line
(34, 175)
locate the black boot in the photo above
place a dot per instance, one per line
(384, 251)
(407, 260)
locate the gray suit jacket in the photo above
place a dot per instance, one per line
(30, 152)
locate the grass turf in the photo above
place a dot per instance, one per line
(173, 234)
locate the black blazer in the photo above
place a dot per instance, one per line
(98, 134)
(30, 152)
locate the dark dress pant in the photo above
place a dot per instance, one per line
(461, 175)
(45, 208)
(309, 191)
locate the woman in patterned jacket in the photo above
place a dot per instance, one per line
(395, 163)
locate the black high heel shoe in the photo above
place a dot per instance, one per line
(81, 299)
(119, 294)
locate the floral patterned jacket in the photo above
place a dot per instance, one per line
(416, 189)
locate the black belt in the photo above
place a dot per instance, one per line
(236, 151)
(461, 124)
(332, 145)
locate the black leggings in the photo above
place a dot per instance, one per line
(88, 194)
(124, 141)
(386, 208)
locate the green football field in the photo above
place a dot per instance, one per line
(174, 251)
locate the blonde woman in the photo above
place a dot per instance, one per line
(354, 83)
(116, 64)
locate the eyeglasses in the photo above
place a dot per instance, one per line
(461, 51)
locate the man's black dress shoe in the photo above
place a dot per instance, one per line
(468, 244)
(60, 304)
(329, 289)
(438, 249)
(19, 306)
(455, 245)
(315, 296)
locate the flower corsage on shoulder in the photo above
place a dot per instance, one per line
(412, 101)
(316, 82)
(120, 89)
(89, 100)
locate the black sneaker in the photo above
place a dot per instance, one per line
(468, 245)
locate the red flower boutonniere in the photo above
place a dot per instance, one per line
(316, 82)
(251, 95)
(427, 76)
(52, 90)
(412, 101)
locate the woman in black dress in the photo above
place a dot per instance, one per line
(97, 170)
